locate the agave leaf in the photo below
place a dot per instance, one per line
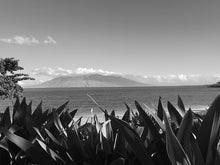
(38, 110)
(198, 159)
(184, 134)
(174, 149)
(160, 109)
(44, 116)
(42, 119)
(107, 130)
(144, 134)
(156, 118)
(49, 151)
(134, 141)
(65, 118)
(15, 129)
(174, 114)
(96, 123)
(38, 133)
(112, 113)
(217, 156)
(50, 116)
(28, 121)
(185, 127)
(186, 138)
(198, 116)
(6, 119)
(37, 154)
(147, 121)
(4, 144)
(74, 145)
(106, 115)
(105, 144)
(16, 105)
(86, 131)
(127, 117)
(60, 109)
(73, 113)
(37, 114)
(4, 156)
(50, 135)
(119, 161)
(19, 113)
(204, 133)
(78, 121)
(119, 144)
(58, 124)
(181, 105)
(29, 108)
(62, 152)
(214, 138)
(57, 146)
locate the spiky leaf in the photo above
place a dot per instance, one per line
(134, 141)
(174, 149)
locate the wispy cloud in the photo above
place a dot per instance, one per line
(20, 40)
(93, 71)
(181, 79)
(55, 72)
(47, 71)
(29, 83)
(23, 40)
(49, 40)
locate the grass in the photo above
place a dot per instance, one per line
(145, 136)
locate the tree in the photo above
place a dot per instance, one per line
(9, 87)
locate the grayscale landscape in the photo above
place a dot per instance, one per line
(109, 82)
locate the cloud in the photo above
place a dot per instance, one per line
(23, 40)
(93, 71)
(20, 40)
(49, 40)
(181, 79)
(47, 71)
(30, 83)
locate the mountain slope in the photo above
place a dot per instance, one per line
(90, 80)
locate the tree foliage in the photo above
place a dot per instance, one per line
(9, 87)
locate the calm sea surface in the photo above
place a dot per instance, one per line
(196, 97)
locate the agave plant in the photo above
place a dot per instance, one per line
(141, 136)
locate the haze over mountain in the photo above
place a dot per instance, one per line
(90, 80)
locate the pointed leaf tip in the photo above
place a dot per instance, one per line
(174, 148)
(180, 104)
(160, 109)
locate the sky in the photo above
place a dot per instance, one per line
(165, 41)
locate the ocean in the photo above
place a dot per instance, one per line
(196, 97)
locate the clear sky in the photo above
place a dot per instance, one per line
(139, 37)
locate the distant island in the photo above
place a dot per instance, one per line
(217, 85)
(89, 80)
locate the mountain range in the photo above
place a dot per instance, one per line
(90, 80)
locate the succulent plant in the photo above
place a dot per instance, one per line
(142, 136)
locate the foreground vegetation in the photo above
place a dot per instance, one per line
(144, 136)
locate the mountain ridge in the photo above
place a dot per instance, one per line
(89, 80)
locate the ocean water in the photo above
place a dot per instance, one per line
(196, 97)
